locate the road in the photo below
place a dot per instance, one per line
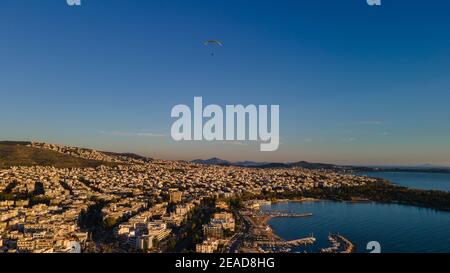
(237, 240)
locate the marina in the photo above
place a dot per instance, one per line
(342, 227)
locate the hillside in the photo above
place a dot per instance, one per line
(18, 154)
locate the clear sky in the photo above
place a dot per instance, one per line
(355, 84)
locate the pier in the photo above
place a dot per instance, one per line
(293, 243)
(287, 214)
(339, 244)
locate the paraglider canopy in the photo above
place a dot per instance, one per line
(213, 43)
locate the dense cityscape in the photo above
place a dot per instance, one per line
(138, 204)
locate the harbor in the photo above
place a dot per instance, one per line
(261, 237)
(339, 244)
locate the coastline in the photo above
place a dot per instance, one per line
(339, 243)
(296, 200)
(312, 200)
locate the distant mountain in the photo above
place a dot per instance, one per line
(274, 165)
(309, 165)
(323, 166)
(250, 163)
(253, 164)
(212, 161)
(402, 169)
(431, 166)
(21, 153)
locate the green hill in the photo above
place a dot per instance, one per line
(18, 154)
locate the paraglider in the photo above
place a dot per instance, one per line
(213, 44)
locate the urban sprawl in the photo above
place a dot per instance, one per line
(146, 205)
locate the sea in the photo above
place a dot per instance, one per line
(395, 228)
(416, 180)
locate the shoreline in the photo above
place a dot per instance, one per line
(348, 246)
(314, 200)
(276, 239)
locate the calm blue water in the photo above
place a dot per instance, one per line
(425, 181)
(398, 228)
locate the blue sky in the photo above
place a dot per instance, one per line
(355, 84)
